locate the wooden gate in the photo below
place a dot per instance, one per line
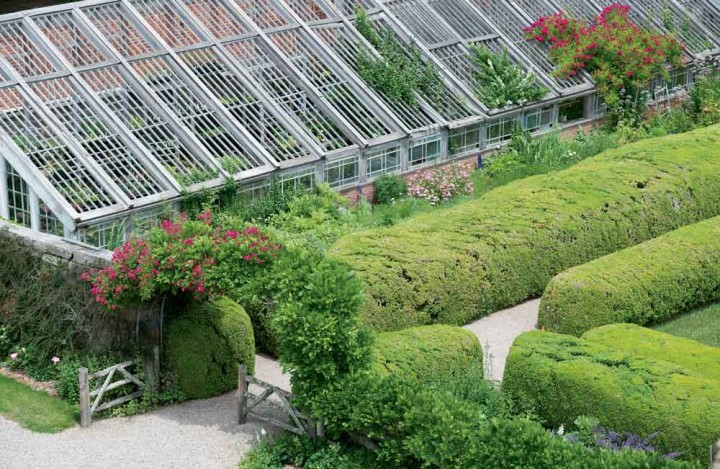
(248, 405)
(103, 386)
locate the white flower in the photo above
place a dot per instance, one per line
(561, 430)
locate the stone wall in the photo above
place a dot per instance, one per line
(55, 250)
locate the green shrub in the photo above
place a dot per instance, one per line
(205, 345)
(700, 359)
(650, 282)
(505, 247)
(561, 377)
(427, 352)
(389, 188)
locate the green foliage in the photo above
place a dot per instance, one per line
(34, 410)
(699, 359)
(705, 98)
(302, 452)
(66, 377)
(427, 352)
(562, 377)
(650, 282)
(46, 309)
(500, 82)
(317, 318)
(505, 246)
(389, 188)
(205, 345)
(400, 73)
(702, 325)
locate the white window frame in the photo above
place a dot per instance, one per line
(466, 144)
(385, 158)
(343, 165)
(422, 147)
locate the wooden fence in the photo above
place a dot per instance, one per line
(103, 386)
(248, 404)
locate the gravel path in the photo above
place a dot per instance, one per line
(498, 331)
(195, 434)
(202, 434)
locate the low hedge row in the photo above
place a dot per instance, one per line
(205, 345)
(414, 426)
(699, 358)
(561, 377)
(650, 282)
(459, 264)
(427, 352)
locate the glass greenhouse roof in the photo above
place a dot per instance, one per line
(107, 106)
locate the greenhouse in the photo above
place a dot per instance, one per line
(112, 111)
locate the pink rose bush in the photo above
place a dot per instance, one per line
(182, 256)
(440, 184)
(618, 54)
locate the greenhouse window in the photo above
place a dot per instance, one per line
(381, 162)
(465, 140)
(18, 197)
(342, 172)
(298, 181)
(427, 151)
(501, 130)
(538, 119)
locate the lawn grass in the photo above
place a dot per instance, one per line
(34, 410)
(702, 325)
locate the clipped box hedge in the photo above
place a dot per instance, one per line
(205, 345)
(650, 282)
(427, 352)
(562, 377)
(691, 355)
(458, 264)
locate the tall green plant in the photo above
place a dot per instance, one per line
(318, 319)
(400, 73)
(499, 82)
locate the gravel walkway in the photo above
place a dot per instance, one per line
(498, 331)
(202, 434)
(195, 434)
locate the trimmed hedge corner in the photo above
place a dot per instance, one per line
(458, 264)
(650, 282)
(427, 352)
(699, 358)
(562, 377)
(204, 346)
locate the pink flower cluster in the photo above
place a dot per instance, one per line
(440, 184)
(181, 256)
(615, 51)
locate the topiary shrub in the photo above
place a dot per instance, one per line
(205, 345)
(427, 352)
(694, 356)
(650, 282)
(504, 247)
(561, 377)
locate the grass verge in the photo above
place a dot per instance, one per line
(701, 325)
(34, 410)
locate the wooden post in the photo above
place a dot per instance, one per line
(242, 397)
(83, 387)
(320, 432)
(715, 455)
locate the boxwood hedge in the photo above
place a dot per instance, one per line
(458, 264)
(427, 352)
(650, 282)
(561, 377)
(205, 345)
(694, 356)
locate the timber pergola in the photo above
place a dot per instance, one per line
(113, 110)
